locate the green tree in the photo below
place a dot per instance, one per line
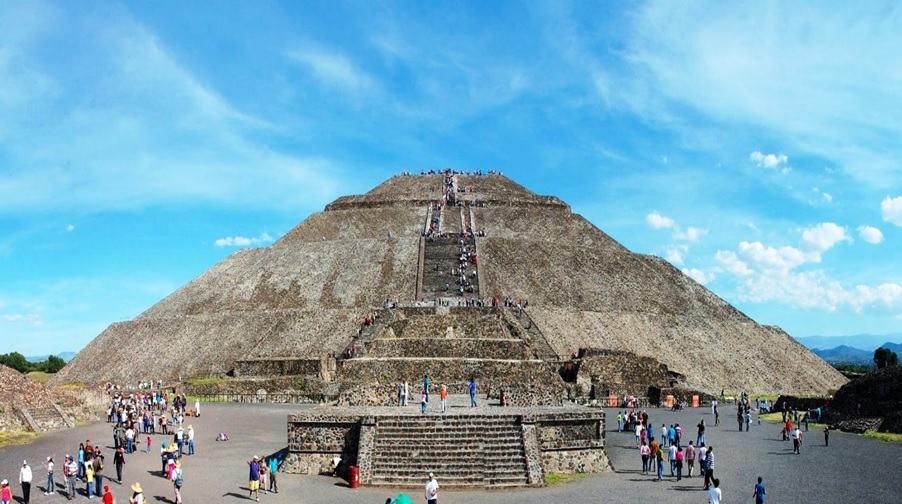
(884, 357)
(16, 361)
(53, 364)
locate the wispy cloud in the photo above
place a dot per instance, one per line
(30, 318)
(891, 208)
(333, 69)
(771, 161)
(658, 221)
(243, 241)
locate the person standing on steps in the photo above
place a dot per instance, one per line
(431, 490)
(25, 477)
(472, 392)
(444, 397)
(424, 401)
(426, 386)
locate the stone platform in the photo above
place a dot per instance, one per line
(487, 446)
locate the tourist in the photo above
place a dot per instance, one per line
(444, 397)
(50, 488)
(797, 440)
(273, 469)
(472, 392)
(431, 490)
(826, 436)
(659, 459)
(180, 439)
(177, 482)
(748, 418)
(690, 459)
(671, 458)
(671, 435)
(89, 480)
(137, 495)
(190, 440)
(700, 439)
(716, 417)
(760, 492)
(254, 478)
(640, 433)
(25, 477)
(679, 463)
(107, 496)
(147, 447)
(714, 407)
(709, 467)
(119, 461)
(678, 436)
(70, 472)
(426, 386)
(197, 408)
(619, 421)
(81, 460)
(653, 447)
(424, 401)
(130, 440)
(644, 452)
(98, 471)
(714, 494)
(263, 477)
(6, 493)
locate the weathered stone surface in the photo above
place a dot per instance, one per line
(305, 296)
(28, 405)
(872, 402)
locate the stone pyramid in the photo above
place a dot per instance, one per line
(305, 296)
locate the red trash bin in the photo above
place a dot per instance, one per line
(354, 477)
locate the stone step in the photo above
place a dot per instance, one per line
(387, 453)
(450, 482)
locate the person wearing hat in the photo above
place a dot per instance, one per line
(107, 496)
(431, 490)
(137, 494)
(71, 470)
(25, 480)
(6, 493)
(254, 478)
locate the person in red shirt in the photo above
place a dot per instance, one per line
(107, 496)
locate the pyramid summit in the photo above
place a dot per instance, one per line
(484, 276)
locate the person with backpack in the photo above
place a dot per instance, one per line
(98, 471)
(177, 482)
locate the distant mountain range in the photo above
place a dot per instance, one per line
(855, 349)
(66, 356)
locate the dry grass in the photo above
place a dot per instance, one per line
(17, 438)
(554, 479)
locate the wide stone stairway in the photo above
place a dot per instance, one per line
(472, 450)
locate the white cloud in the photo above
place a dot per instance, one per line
(332, 68)
(772, 161)
(823, 197)
(20, 317)
(891, 209)
(698, 275)
(659, 221)
(792, 71)
(691, 234)
(70, 228)
(731, 263)
(870, 234)
(243, 241)
(675, 255)
(824, 236)
(778, 258)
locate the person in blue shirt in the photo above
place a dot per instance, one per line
(472, 392)
(760, 493)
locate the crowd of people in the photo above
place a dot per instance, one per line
(146, 413)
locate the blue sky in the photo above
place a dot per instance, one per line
(757, 147)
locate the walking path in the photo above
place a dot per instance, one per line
(852, 469)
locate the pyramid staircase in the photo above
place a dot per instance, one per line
(463, 451)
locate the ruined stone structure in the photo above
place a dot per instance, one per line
(459, 277)
(305, 296)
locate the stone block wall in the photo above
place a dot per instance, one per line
(275, 366)
(449, 347)
(613, 372)
(572, 443)
(487, 372)
(314, 441)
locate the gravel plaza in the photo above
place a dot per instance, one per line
(851, 469)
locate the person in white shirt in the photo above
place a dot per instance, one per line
(25, 480)
(714, 494)
(431, 490)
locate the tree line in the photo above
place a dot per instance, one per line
(18, 362)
